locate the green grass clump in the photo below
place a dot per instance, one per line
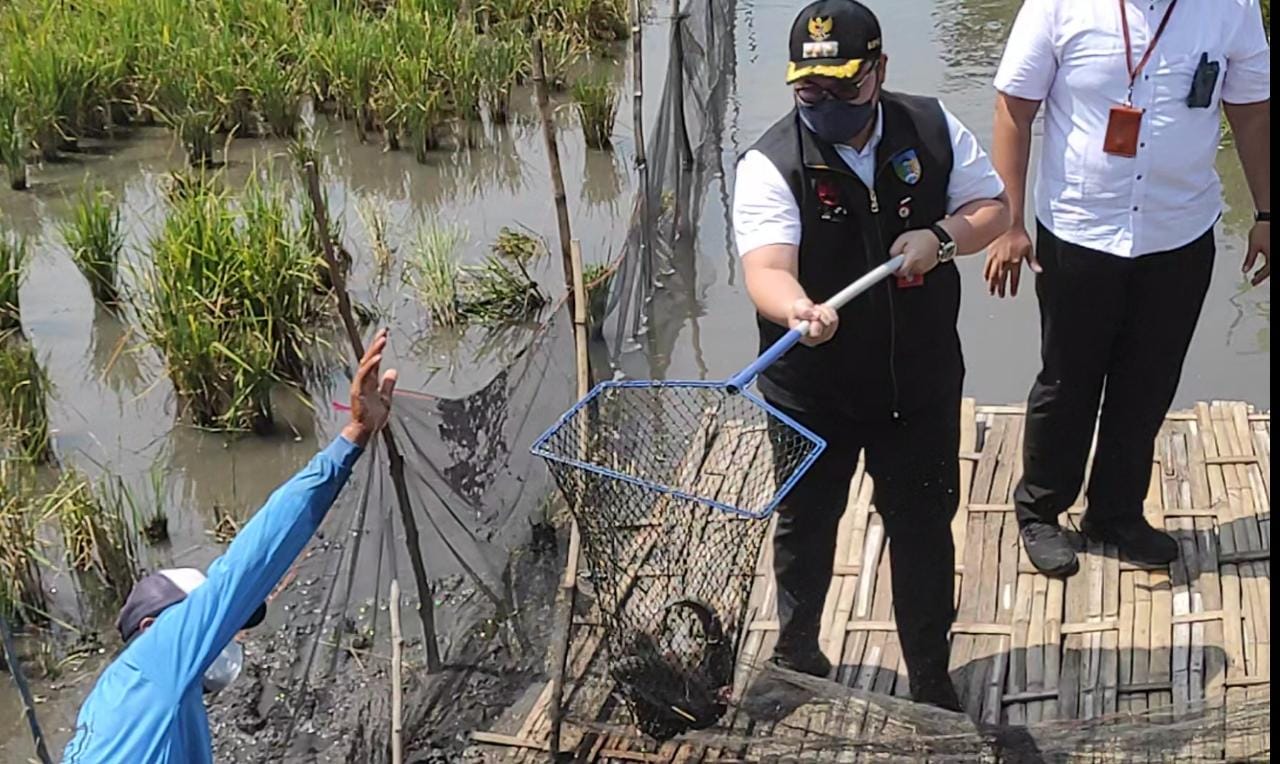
(433, 272)
(231, 301)
(78, 69)
(22, 597)
(495, 292)
(94, 236)
(597, 277)
(24, 408)
(597, 103)
(95, 530)
(13, 268)
(14, 145)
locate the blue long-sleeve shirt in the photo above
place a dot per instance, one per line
(147, 707)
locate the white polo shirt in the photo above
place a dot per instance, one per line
(1070, 54)
(765, 211)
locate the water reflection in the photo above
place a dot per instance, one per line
(971, 36)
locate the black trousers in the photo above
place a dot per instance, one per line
(914, 464)
(1112, 330)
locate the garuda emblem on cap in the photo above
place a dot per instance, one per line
(819, 28)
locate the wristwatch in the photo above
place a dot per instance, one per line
(946, 244)
(1262, 217)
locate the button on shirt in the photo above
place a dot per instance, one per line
(766, 212)
(1070, 54)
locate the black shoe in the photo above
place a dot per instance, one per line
(1049, 549)
(1136, 540)
(937, 691)
(809, 661)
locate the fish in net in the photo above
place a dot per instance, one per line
(671, 483)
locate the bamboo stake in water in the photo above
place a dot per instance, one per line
(553, 157)
(637, 122)
(426, 598)
(20, 679)
(397, 657)
(563, 624)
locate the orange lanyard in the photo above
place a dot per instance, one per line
(1134, 71)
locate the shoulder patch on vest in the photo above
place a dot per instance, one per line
(906, 165)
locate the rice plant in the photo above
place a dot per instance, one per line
(77, 68)
(13, 268)
(502, 64)
(496, 293)
(223, 314)
(24, 407)
(433, 271)
(95, 530)
(374, 216)
(597, 278)
(14, 144)
(597, 103)
(517, 246)
(22, 597)
(94, 236)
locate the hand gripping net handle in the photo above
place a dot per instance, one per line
(742, 379)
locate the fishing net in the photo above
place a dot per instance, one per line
(655, 273)
(671, 484)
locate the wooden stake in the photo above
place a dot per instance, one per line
(569, 584)
(20, 679)
(397, 686)
(637, 127)
(553, 158)
(426, 598)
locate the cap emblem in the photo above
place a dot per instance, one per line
(820, 28)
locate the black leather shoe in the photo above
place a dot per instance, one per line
(1136, 539)
(1049, 549)
(809, 661)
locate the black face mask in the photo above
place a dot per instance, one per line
(836, 121)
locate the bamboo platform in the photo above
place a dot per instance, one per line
(1114, 641)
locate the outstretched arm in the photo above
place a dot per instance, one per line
(186, 638)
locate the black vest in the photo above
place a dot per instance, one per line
(897, 348)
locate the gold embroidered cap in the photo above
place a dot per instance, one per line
(833, 38)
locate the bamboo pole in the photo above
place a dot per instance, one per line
(569, 583)
(20, 679)
(553, 158)
(426, 599)
(397, 685)
(637, 128)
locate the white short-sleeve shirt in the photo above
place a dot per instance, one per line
(1070, 54)
(765, 211)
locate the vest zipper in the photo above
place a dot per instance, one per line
(893, 327)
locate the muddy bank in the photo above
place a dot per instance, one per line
(340, 711)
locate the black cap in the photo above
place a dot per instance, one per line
(157, 591)
(833, 38)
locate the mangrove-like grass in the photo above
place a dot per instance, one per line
(13, 268)
(24, 407)
(94, 236)
(597, 103)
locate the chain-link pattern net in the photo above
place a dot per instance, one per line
(671, 484)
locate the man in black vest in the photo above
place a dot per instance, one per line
(851, 177)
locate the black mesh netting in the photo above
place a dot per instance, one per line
(670, 484)
(683, 146)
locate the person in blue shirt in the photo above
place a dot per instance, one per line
(180, 627)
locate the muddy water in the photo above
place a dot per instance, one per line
(116, 408)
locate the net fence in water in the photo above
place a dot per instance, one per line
(671, 484)
(655, 272)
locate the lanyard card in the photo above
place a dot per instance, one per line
(1123, 126)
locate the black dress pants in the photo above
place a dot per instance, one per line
(914, 464)
(1114, 331)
